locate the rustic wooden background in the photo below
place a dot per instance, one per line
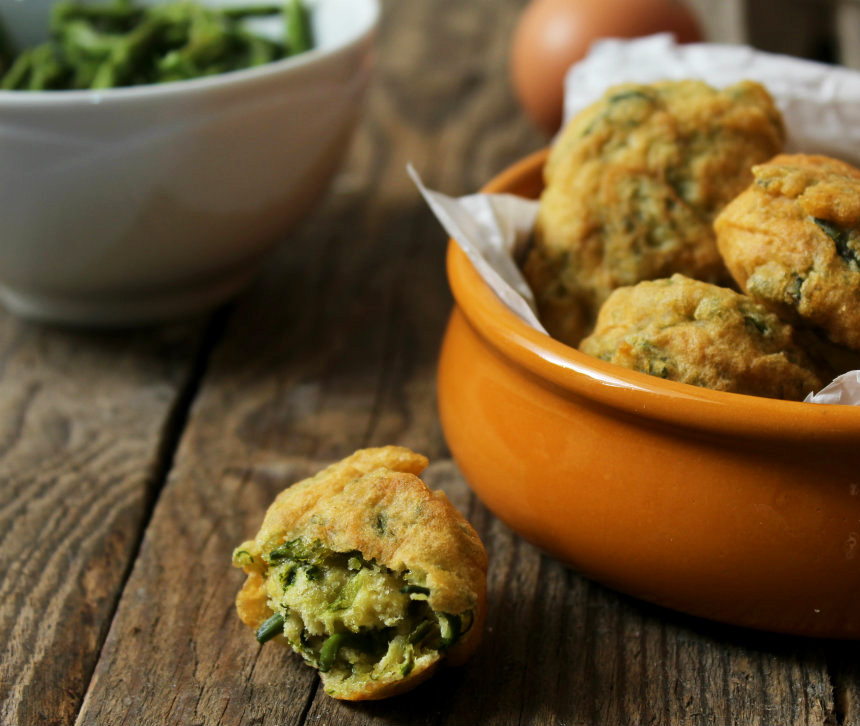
(132, 463)
(824, 30)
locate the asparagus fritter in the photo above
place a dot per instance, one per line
(632, 187)
(694, 332)
(792, 241)
(368, 575)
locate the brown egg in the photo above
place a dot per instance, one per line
(551, 35)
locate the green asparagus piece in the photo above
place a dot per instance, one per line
(121, 44)
(7, 50)
(272, 627)
(251, 11)
(415, 590)
(119, 67)
(17, 77)
(116, 16)
(421, 632)
(333, 644)
(48, 70)
(449, 626)
(259, 51)
(298, 27)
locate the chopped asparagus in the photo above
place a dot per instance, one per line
(272, 627)
(121, 44)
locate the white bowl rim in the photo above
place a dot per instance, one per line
(124, 94)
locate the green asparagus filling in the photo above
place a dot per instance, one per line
(351, 616)
(847, 241)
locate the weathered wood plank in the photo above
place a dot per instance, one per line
(844, 666)
(84, 421)
(560, 649)
(335, 349)
(804, 28)
(722, 22)
(847, 32)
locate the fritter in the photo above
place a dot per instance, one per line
(368, 575)
(695, 332)
(792, 241)
(632, 187)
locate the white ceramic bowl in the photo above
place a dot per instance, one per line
(137, 204)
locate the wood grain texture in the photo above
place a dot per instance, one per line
(83, 421)
(335, 348)
(559, 649)
(804, 28)
(847, 32)
(722, 22)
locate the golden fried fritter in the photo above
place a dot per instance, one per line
(792, 241)
(367, 574)
(694, 332)
(632, 187)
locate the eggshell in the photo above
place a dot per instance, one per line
(551, 35)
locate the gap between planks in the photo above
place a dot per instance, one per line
(166, 451)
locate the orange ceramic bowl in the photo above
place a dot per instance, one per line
(735, 508)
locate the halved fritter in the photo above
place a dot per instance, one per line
(367, 574)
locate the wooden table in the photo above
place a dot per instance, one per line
(131, 464)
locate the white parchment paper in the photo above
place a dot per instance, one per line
(820, 105)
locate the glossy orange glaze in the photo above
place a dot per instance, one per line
(736, 508)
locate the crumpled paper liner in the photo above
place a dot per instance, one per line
(820, 106)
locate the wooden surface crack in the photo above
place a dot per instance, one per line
(83, 451)
(166, 448)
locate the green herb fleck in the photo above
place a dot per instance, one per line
(313, 573)
(612, 102)
(407, 667)
(651, 359)
(287, 577)
(449, 626)
(355, 563)
(794, 291)
(243, 558)
(295, 549)
(365, 642)
(628, 95)
(421, 632)
(415, 590)
(347, 595)
(846, 242)
(755, 323)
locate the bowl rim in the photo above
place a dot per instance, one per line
(131, 94)
(637, 394)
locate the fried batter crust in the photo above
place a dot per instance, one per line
(632, 187)
(374, 502)
(694, 332)
(792, 241)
